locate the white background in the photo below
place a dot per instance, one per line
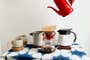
(24, 16)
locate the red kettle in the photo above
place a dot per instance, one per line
(64, 6)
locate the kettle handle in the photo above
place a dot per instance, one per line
(71, 1)
(75, 36)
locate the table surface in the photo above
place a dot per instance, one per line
(29, 53)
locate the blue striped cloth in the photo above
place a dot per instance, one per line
(29, 53)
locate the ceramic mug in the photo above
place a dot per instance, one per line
(17, 43)
(37, 38)
(24, 38)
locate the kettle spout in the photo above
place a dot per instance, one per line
(57, 11)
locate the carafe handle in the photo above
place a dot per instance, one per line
(75, 36)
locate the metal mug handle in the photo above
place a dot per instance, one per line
(75, 36)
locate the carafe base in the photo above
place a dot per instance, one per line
(64, 47)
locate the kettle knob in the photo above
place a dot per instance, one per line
(71, 1)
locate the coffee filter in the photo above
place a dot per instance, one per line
(49, 28)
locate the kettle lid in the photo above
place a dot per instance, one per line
(64, 31)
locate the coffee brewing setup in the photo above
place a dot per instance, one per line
(66, 38)
(43, 39)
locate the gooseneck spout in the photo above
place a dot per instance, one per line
(57, 11)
